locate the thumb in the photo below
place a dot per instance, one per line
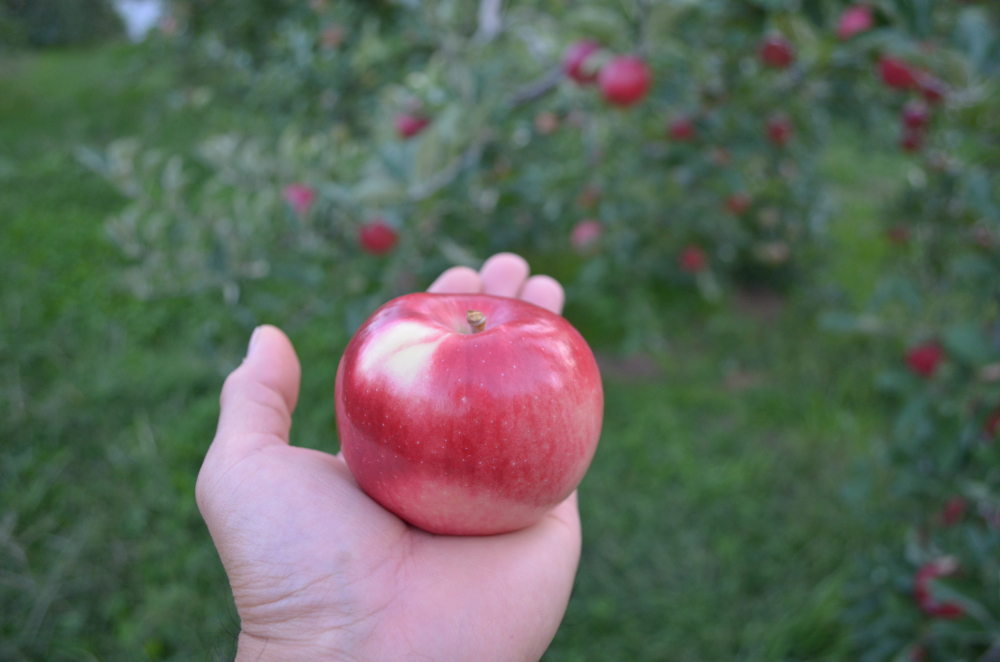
(258, 398)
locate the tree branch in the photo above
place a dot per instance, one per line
(537, 88)
(468, 158)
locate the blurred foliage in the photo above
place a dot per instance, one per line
(44, 23)
(108, 402)
(937, 304)
(457, 126)
(514, 157)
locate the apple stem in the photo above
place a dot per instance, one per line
(476, 320)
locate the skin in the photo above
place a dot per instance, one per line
(319, 571)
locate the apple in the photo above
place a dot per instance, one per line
(922, 595)
(780, 129)
(953, 511)
(408, 125)
(693, 259)
(300, 198)
(575, 59)
(992, 425)
(931, 87)
(585, 235)
(776, 52)
(468, 414)
(855, 20)
(896, 73)
(624, 80)
(681, 129)
(925, 359)
(916, 114)
(377, 237)
(737, 204)
(911, 140)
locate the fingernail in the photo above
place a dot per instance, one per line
(253, 339)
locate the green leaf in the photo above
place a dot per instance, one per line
(975, 36)
(967, 343)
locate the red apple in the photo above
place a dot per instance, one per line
(931, 87)
(855, 20)
(780, 129)
(738, 203)
(991, 425)
(408, 125)
(624, 80)
(922, 594)
(896, 73)
(925, 359)
(693, 259)
(468, 414)
(953, 511)
(300, 198)
(586, 234)
(916, 114)
(377, 237)
(911, 140)
(574, 61)
(775, 51)
(681, 129)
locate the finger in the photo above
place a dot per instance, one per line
(504, 274)
(259, 397)
(544, 291)
(457, 280)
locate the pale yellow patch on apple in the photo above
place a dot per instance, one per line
(403, 352)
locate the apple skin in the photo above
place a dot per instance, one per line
(465, 433)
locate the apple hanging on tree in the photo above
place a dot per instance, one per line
(377, 237)
(737, 204)
(776, 52)
(780, 129)
(916, 114)
(408, 125)
(681, 129)
(895, 73)
(855, 20)
(624, 80)
(575, 61)
(468, 414)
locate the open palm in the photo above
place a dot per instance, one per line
(321, 571)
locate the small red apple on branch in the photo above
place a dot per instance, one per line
(408, 125)
(855, 20)
(625, 80)
(575, 61)
(776, 52)
(468, 414)
(377, 237)
(682, 129)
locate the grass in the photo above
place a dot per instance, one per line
(714, 519)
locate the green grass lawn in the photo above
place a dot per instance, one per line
(715, 521)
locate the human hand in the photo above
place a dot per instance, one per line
(320, 571)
